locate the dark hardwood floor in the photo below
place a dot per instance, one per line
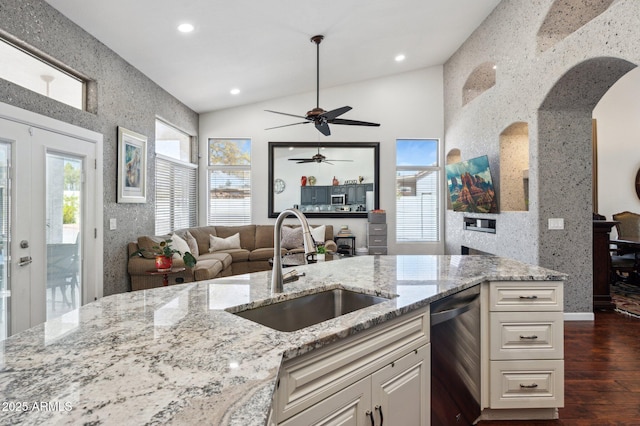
(602, 373)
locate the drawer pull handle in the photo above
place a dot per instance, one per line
(534, 297)
(379, 409)
(531, 386)
(534, 337)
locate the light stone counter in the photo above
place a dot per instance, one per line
(174, 355)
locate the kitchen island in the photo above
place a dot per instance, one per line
(176, 355)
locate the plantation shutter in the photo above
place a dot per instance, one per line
(176, 195)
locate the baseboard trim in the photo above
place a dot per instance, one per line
(579, 316)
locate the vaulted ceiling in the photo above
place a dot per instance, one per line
(263, 48)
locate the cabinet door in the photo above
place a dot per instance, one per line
(349, 407)
(306, 195)
(322, 195)
(401, 391)
(361, 194)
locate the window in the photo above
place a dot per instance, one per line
(417, 190)
(32, 72)
(176, 180)
(229, 180)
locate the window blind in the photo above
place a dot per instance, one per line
(417, 204)
(176, 195)
(230, 195)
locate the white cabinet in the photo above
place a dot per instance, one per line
(397, 394)
(384, 371)
(526, 346)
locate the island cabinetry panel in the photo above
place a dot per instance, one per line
(311, 379)
(526, 345)
(396, 394)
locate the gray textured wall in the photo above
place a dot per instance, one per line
(123, 96)
(553, 90)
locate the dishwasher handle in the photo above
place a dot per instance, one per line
(449, 314)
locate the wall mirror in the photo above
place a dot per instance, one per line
(324, 179)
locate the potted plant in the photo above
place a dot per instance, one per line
(164, 255)
(321, 250)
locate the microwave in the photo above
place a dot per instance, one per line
(338, 199)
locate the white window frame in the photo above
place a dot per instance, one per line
(228, 168)
(183, 180)
(438, 196)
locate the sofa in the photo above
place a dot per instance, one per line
(219, 250)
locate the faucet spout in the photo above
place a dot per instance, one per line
(309, 246)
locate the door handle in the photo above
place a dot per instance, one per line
(25, 261)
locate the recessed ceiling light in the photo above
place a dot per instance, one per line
(400, 58)
(235, 91)
(185, 28)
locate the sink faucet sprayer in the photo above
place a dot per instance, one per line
(309, 246)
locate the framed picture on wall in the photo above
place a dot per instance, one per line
(132, 167)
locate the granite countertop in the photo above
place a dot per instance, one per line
(174, 355)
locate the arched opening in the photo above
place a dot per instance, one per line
(564, 160)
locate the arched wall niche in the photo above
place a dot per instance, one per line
(481, 79)
(453, 156)
(565, 17)
(514, 167)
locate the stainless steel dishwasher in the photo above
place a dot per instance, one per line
(455, 358)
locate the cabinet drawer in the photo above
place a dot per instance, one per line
(526, 296)
(527, 384)
(530, 335)
(377, 228)
(377, 250)
(377, 240)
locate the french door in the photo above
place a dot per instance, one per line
(48, 226)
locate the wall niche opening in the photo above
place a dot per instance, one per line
(514, 168)
(481, 79)
(565, 17)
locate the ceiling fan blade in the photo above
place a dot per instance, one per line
(353, 122)
(284, 113)
(339, 160)
(287, 125)
(323, 127)
(300, 159)
(307, 160)
(330, 115)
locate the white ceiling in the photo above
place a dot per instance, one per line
(263, 47)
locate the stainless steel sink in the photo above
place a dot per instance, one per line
(304, 311)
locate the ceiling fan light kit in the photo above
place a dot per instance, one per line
(317, 115)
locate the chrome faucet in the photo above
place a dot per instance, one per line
(309, 246)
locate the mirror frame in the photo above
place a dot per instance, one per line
(365, 145)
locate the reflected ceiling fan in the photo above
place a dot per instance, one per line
(317, 158)
(317, 115)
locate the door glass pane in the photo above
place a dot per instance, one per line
(64, 220)
(5, 156)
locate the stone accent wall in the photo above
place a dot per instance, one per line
(120, 96)
(550, 79)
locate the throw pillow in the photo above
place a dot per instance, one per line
(318, 234)
(193, 244)
(179, 244)
(291, 237)
(229, 243)
(146, 243)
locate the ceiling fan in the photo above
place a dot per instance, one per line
(317, 115)
(317, 158)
